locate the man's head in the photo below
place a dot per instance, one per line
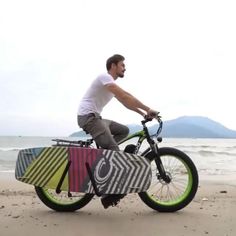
(115, 66)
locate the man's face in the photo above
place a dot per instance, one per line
(120, 69)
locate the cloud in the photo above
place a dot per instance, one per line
(180, 58)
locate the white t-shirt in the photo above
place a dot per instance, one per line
(97, 96)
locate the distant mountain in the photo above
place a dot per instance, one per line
(79, 134)
(195, 127)
(132, 129)
(186, 127)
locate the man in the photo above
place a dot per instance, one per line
(107, 133)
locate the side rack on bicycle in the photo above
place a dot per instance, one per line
(72, 143)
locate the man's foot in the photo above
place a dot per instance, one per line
(111, 199)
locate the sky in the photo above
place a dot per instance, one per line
(180, 60)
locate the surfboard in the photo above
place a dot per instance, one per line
(67, 169)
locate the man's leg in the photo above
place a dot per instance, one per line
(118, 130)
(99, 130)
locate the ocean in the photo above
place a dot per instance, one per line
(215, 159)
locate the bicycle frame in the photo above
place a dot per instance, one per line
(141, 137)
(144, 134)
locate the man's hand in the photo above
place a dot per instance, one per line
(152, 113)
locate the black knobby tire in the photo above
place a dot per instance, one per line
(62, 202)
(173, 196)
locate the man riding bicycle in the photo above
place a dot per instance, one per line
(107, 133)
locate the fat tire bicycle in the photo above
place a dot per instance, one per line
(174, 175)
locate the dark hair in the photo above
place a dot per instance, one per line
(114, 59)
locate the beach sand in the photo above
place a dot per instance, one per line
(212, 212)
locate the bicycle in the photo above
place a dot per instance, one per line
(174, 180)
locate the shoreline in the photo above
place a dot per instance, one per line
(212, 212)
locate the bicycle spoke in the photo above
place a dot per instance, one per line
(63, 196)
(178, 173)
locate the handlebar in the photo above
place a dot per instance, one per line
(147, 119)
(159, 120)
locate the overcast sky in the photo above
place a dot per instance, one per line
(180, 59)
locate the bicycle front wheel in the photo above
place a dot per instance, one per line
(64, 201)
(183, 184)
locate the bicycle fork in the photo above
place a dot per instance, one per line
(162, 173)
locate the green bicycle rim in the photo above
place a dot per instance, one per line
(182, 197)
(54, 200)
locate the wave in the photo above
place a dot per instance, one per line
(209, 153)
(7, 171)
(195, 146)
(206, 153)
(11, 149)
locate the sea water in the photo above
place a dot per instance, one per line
(214, 158)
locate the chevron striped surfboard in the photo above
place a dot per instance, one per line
(115, 172)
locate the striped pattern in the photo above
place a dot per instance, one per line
(45, 166)
(24, 159)
(114, 172)
(78, 176)
(127, 174)
(104, 170)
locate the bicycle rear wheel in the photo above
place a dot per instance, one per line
(183, 185)
(64, 201)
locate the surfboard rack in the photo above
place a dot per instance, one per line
(72, 143)
(58, 188)
(92, 180)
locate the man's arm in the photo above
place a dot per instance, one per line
(127, 99)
